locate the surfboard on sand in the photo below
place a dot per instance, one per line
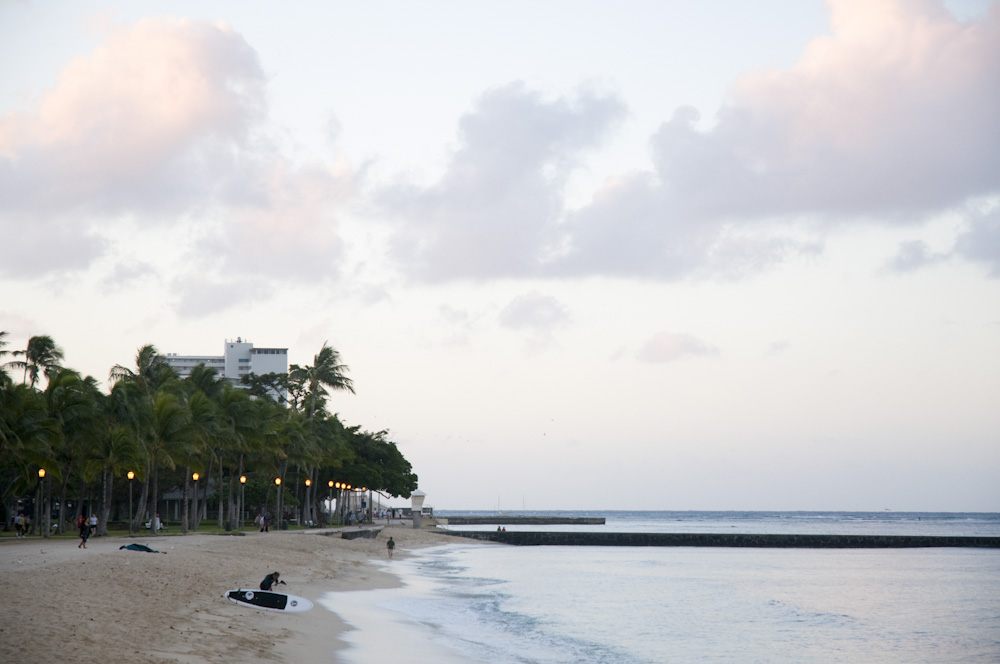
(269, 601)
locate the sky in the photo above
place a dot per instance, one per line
(577, 255)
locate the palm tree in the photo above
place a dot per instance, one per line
(326, 371)
(3, 367)
(171, 430)
(134, 406)
(151, 370)
(74, 405)
(26, 433)
(204, 427)
(41, 356)
(121, 450)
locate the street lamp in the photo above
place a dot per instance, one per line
(277, 502)
(43, 527)
(243, 486)
(306, 514)
(197, 508)
(131, 476)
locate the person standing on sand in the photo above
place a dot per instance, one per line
(93, 524)
(390, 546)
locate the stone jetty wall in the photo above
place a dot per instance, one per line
(524, 520)
(522, 538)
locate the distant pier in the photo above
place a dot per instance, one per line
(523, 520)
(771, 541)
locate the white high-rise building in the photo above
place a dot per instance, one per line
(239, 358)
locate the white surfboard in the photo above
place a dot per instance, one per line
(269, 601)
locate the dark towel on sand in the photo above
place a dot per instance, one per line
(140, 547)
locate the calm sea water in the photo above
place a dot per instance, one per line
(495, 603)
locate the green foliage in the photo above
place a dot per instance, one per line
(161, 427)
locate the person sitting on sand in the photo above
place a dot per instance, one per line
(271, 580)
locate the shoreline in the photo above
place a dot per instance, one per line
(104, 603)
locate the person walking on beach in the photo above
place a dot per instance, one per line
(390, 546)
(93, 524)
(84, 532)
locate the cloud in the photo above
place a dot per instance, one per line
(492, 212)
(534, 311)
(669, 347)
(912, 256)
(777, 347)
(165, 123)
(896, 112)
(896, 115)
(135, 124)
(290, 230)
(981, 242)
(197, 296)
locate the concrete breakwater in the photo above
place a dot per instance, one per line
(524, 520)
(522, 538)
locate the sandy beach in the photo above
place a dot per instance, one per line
(104, 604)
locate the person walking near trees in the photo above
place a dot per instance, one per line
(84, 525)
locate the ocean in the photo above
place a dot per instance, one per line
(496, 603)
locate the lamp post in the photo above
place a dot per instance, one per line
(307, 516)
(131, 476)
(277, 502)
(329, 501)
(197, 513)
(39, 508)
(347, 500)
(243, 486)
(340, 507)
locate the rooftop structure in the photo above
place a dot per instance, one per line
(239, 358)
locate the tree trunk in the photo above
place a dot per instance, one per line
(231, 510)
(46, 507)
(62, 500)
(107, 484)
(154, 494)
(187, 503)
(143, 494)
(218, 490)
(203, 504)
(314, 504)
(240, 507)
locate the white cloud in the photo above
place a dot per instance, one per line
(534, 311)
(164, 123)
(493, 211)
(778, 347)
(136, 124)
(912, 256)
(981, 242)
(669, 347)
(895, 115)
